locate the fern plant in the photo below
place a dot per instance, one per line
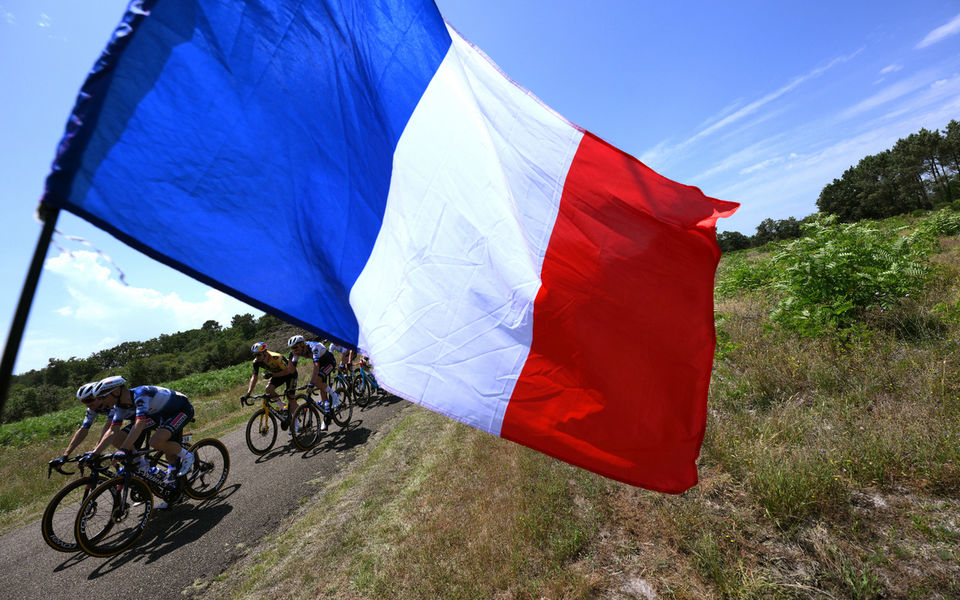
(828, 277)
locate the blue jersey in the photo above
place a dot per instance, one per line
(151, 402)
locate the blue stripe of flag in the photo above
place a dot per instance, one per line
(249, 144)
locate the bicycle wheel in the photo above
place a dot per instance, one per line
(261, 432)
(361, 390)
(342, 412)
(210, 469)
(56, 526)
(114, 516)
(306, 423)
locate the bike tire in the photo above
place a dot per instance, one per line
(102, 532)
(361, 391)
(211, 467)
(306, 423)
(56, 525)
(261, 432)
(343, 412)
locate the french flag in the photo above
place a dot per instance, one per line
(358, 168)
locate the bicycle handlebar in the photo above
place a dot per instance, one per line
(270, 398)
(57, 465)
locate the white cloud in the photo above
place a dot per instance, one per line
(44, 20)
(940, 33)
(660, 152)
(792, 187)
(99, 302)
(890, 69)
(750, 155)
(762, 165)
(890, 93)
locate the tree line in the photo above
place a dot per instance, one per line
(163, 358)
(920, 172)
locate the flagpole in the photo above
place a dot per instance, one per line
(49, 217)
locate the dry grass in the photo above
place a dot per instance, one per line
(829, 470)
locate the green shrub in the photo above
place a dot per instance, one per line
(35, 429)
(943, 223)
(740, 273)
(827, 278)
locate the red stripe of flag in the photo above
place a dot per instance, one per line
(623, 338)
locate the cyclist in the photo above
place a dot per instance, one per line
(85, 395)
(279, 370)
(347, 357)
(148, 406)
(323, 363)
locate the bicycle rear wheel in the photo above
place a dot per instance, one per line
(56, 526)
(114, 516)
(361, 390)
(342, 412)
(210, 469)
(261, 432)
(306, 423)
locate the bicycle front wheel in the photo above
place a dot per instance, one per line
(210, 469)
(361, 390)
(261, 432)
(56, 526)
(306, 423)
(114, 516)
(342, 412)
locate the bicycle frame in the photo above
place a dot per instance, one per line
(367, 377)
(268, 408)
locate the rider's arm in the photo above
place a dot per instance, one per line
(290, 368)
(253, 382)
(138, 426)
(78, 438)
(107, 434)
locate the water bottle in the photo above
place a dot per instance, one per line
(336, 399)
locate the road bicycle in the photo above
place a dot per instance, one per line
(365, 385)
(262, 427)
(115, 514)
(341, 407)
(342, 383)
(56, 525)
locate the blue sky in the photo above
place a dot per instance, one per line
(757, 102)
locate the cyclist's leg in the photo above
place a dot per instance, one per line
(290, 392)
(271, 389)
(169, 430)
(327, 364)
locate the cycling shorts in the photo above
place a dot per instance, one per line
(290, 381)
(326, 364)
(174, 423)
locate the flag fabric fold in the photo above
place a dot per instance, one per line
(360, 169)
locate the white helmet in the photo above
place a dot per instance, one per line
(293, 341)
(105, 386)
(85, 393)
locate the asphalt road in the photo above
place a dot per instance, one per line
(194, 540)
